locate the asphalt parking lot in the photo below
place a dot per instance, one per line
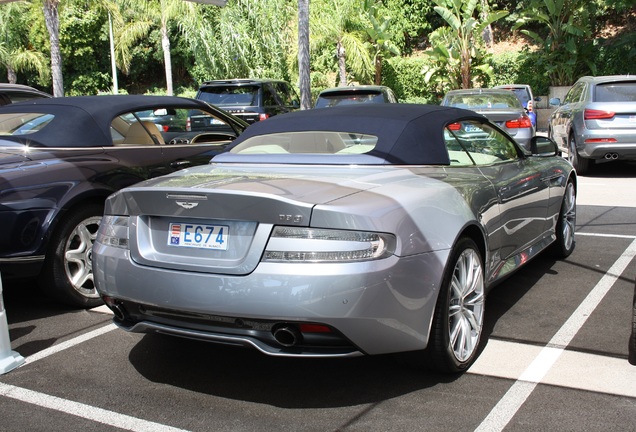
(556, 358)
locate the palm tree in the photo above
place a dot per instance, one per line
(150, 14)
(339, 27)
(381, 37)
(15, 55)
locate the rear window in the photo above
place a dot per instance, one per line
(23, 123)
(616, 92)
(330, 100)
(230, 95)
(484, 101)
(308, 142)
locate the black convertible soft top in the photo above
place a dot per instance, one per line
(410, 134)
(84, 121)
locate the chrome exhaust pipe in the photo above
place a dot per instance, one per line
(611, 156)
(287, 335)
(116, 307)
(119, 311)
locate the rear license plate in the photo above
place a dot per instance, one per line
(199, 236)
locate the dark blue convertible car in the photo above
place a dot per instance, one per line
(61, 157)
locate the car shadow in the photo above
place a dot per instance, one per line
(247, 375)
(612, 169)
(510, 291)
(24, 301)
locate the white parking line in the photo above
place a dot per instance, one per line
(69, 343)
(85, 411)
(508, 406)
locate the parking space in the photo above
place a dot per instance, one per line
(556, 359)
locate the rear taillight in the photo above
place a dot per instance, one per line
(592, 114)
(600, 140)
(188, 125)
(263, 116)
(520, 123)
(454, 126)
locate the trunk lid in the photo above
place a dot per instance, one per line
(218, 219)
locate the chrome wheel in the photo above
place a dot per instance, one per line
(466, 306)
(67, 274)
(568, 217)
(78, 260)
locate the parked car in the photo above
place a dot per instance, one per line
(502, 107)
(362, 229)
(355, 94)
(527, 98)
(59, 160)
(250, 99)
(596, 120)
(12, 93)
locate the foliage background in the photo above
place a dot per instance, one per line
(258, 39)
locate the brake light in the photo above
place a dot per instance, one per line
(454, 126)
(165, 128)
(263, 116)
(592, 114)
(600, 140)
(314, 328)
(520, 123)
(188, 125)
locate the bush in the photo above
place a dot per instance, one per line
(519, 68)
(404, 75)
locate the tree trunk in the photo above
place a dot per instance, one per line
(342, 64)
(378, 69)
(465, 69)
(12, 76)
(167, 58)
(52, 21)
(303, 54)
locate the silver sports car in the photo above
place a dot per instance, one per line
(355, 230)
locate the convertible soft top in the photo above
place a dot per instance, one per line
(84, 121)
(410, 134)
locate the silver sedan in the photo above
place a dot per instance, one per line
(334, 233)
(501, 106)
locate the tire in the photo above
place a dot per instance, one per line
(580, 164)
(632, 339)
(68, 270)
(459, 313)
(566, 224)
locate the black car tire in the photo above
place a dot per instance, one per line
(632, 339)
(580, 164)
(458, 311)
(566, 223)
(68, 272)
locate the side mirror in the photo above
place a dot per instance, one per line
(555, 101)
(544, 147)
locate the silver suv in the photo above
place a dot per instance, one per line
(597, 120)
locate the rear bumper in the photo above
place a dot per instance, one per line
(623, 148)
(374, 307)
